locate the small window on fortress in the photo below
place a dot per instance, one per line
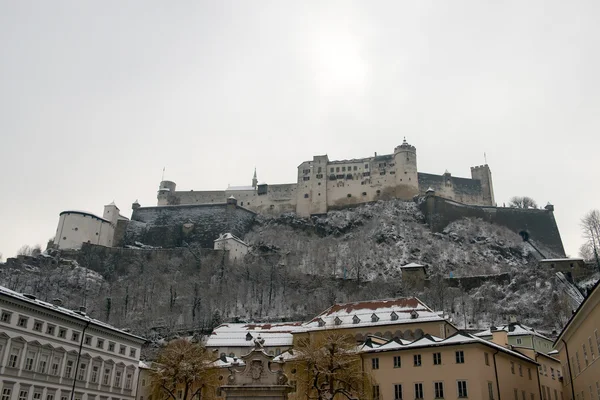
(319, 170)
(306, 195)
(64, 238)
(364, 193)
(349, 195)
(76, 229)
(392, 172)
(343, 168)
(96, 233)
(319, 176)
(242, 203)
(355, 167)
(378, 192)
(337, 169)
(331, 169)
(366, 166)
(307, 178)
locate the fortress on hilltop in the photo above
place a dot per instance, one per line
(323, 185)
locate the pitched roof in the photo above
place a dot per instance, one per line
(514, 329)
(236, 335)
(459, 338)
(412, 265)
(372, 313)
(32, 300)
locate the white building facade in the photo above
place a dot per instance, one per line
(48, 352)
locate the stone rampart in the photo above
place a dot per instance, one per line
(171, 226)
(536, 225)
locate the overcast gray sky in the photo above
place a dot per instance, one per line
(96, 97)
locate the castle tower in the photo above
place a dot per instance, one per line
(483, 174)
(407, 181)
(111, 213)
(254, 180)
(311, 192)
(165, 189)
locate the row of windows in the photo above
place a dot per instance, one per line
(594, 348)
(61, 333)
(547, 394)
(459, 358)
(592, 397)
(23, 394)
(419, 391)
(512, 370)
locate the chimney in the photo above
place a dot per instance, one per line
(57, 302)
(500, 337)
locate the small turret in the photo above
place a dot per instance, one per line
(549, 207)
(111, 213)
(135, 205)
(254, 180)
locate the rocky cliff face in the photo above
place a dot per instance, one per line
(356, 255)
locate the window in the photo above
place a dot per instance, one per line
(519, 341)
(375, 363)
(578, 363)
(417, 360)
(397, 362)
(81, 374)
(55, 366)
(29, 360)
(437, 358)
(122, 349)
(50, 397)
(397, 392)
(111, 346)
(523, 395)
(330, 169)
(375, 392)
(13, 360)
(486, 358)
(106, 377)
(512, 367)
(597, 340)
(438, 388)
(37, 396)
(62, 333)
(22, 324)
(462, 388)
(118, 375)
(94, 377)
(460, 357)
(306, 195)
(552, 373)
(591, 348)
(42, 364)
(50, 329)
(23, 394)
(418, 390)
(585, 357)
(69, 368)
(75, 336)
(37, 326)
(87, 340)
(529, 373)
(6, 392)
(132, 353)
(100, 343)
(6, 317)
(128, 381)
(179, 394)
(520, 370)
(491, 390)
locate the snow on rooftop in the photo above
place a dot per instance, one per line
(561, 259)
(243, 335)
(225, 236)
(64, 311)
(373, 313)
(458, 338)
(413, 265)
(229, 362)
(515, 329)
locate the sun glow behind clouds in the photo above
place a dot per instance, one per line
(338, 64)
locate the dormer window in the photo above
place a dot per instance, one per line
(374, 318)
(394, 316)
(414, 314)
(355, 320)
(248, 337)
(321, 322)
(337, 321)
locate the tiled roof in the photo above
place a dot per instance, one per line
(64, 311)
(373, 313)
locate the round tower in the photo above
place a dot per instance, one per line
(407, 181)
(165, 189)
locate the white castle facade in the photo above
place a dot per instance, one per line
(323, 185)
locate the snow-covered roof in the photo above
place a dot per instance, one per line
(225, 236)
(81, 317)
(145, 365)
(84, 213)
(459, 338)
(412, 265)
(373, 313)
(514, 329)
(243, 335)
(229, 362)
(561, 259)
(240, 188)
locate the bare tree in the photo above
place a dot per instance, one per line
(184, 371)
(590, 229)
(522, 202)
(333, 368)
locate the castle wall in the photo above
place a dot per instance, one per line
(538, 225)
(163, 226)
(463, 190)
(191, 197)
(75, 228)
